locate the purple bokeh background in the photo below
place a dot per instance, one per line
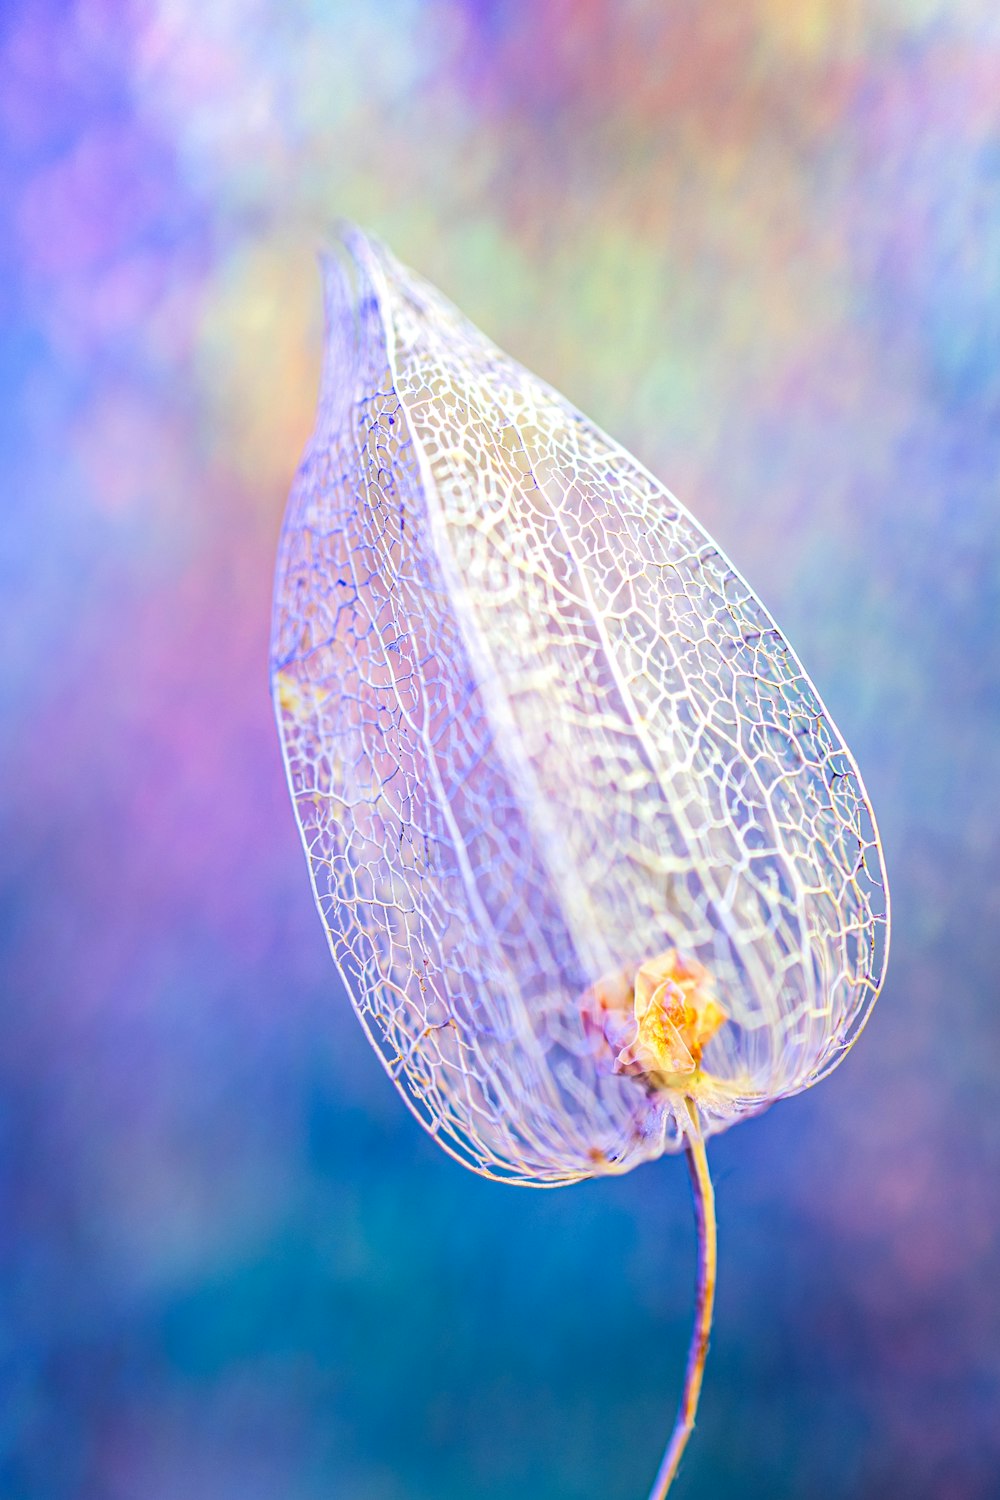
(761, 245)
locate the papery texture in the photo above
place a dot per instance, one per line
(538, 732)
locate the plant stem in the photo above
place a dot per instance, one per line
(704, 1208)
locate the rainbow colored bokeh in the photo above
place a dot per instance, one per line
(758, 242)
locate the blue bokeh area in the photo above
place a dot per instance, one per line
(761, 245)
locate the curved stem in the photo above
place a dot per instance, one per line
(704, 1208)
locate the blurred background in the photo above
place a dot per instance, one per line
(760, 243)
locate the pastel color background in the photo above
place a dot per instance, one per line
(760, 243)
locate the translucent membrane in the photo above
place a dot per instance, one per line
(596, 867)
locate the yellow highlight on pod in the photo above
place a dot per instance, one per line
(297, 698)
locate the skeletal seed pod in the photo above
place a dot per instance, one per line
(597, 869)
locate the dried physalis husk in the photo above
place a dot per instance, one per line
(588, 848)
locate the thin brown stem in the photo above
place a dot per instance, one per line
(704, 1208)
